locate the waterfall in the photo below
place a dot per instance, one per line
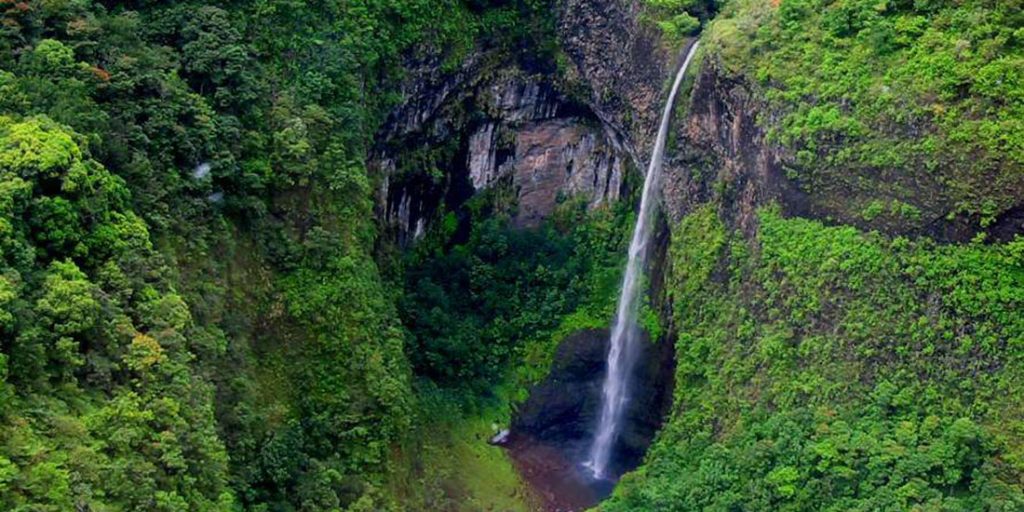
(625, 332)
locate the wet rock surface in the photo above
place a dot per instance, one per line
(562, 158)
(545, 161)
(546, 134)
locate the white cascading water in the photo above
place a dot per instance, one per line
(623, 350)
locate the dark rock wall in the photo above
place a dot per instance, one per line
(621, 65)
(547, 159)
(562, 411)
(483, 127)
(721, 155)
(545, 135)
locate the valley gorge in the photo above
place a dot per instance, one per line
(370, 255)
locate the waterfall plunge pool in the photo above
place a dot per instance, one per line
(552, 431)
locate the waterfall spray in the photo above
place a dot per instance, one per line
(625, 332)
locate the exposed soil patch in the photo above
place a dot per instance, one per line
(554, 479)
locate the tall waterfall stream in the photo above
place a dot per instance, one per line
(625, 331)
(595, 414)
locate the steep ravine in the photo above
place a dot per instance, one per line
(544, 136)
(483, 127)
(355, 255)
(579, 130)
(553, 429)
(870, 299)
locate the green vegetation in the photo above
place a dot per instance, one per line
(197, 312)
(825, 368)
(504, 297)
(454, 467)
(920, 101)
(678, 19)
(192, 317)
(822, 368)
(100, 402)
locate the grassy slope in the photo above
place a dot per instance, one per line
(451, 465)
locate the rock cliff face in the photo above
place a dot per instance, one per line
(575, 130)
(621, 65)
(720, 152)
(547, 159)
(721, 155)
(481, 127)
(547, 134)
